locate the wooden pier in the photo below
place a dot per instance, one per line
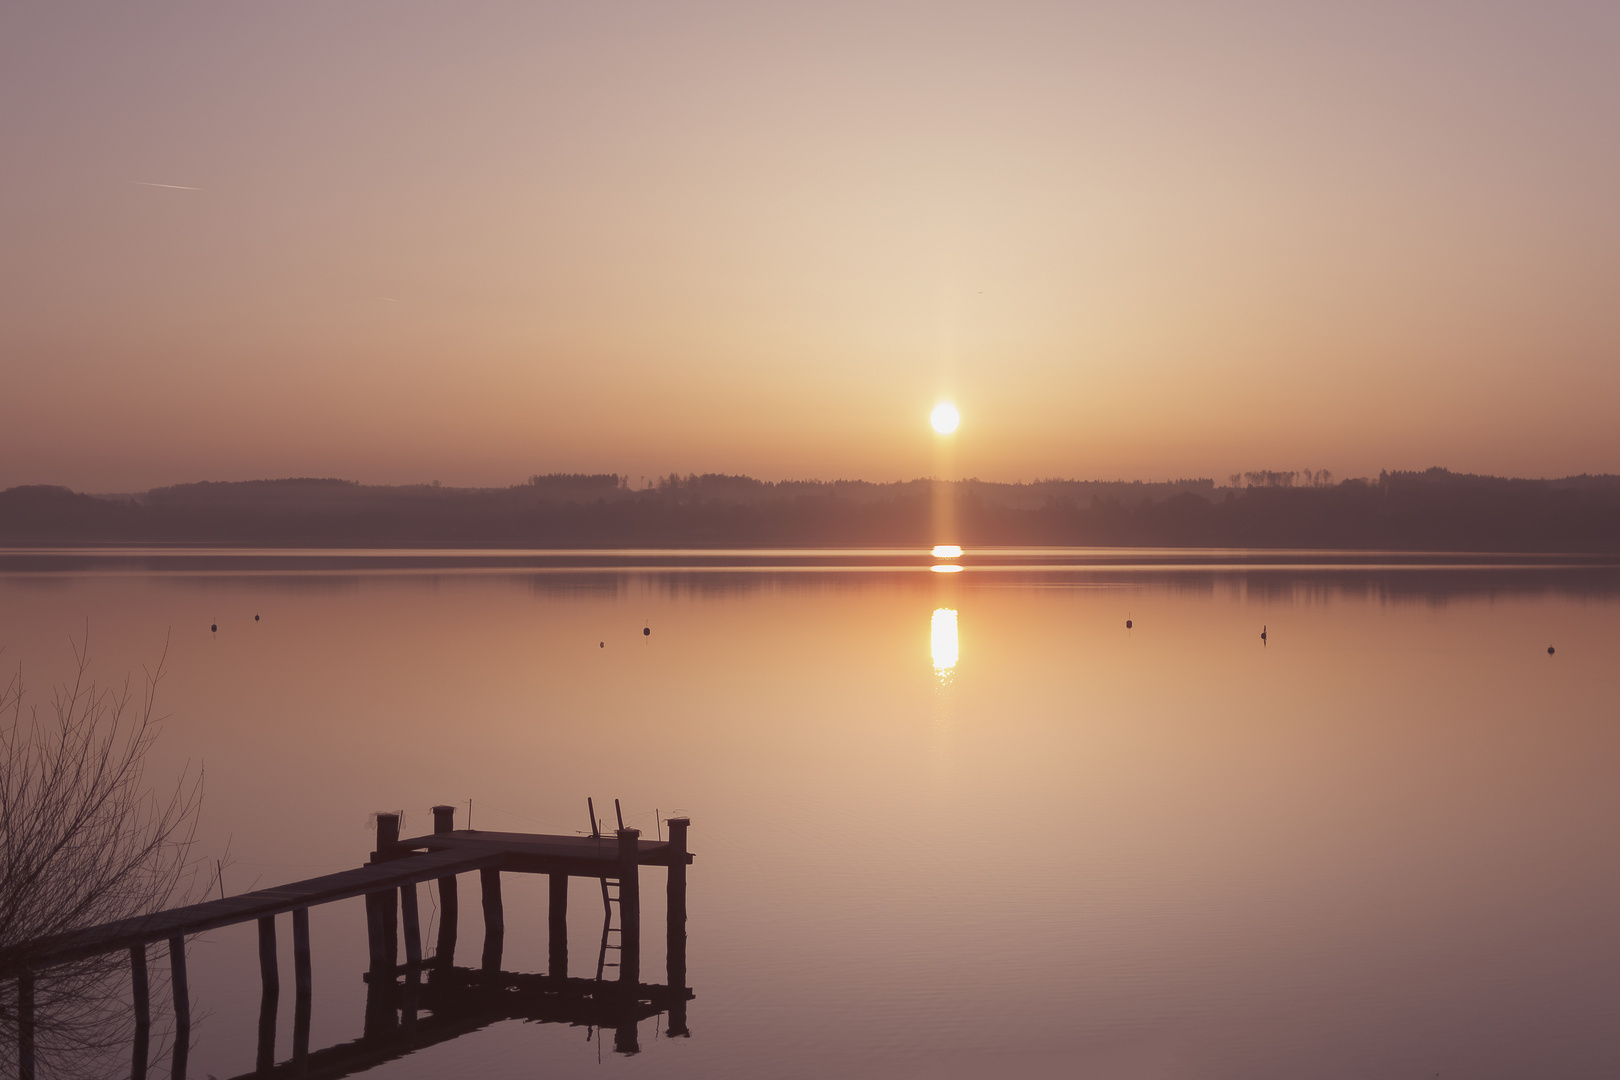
(388, 883)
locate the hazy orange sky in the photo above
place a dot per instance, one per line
(470, 242)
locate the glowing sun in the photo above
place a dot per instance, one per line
(945, 418)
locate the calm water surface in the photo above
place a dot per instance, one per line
(946, 824)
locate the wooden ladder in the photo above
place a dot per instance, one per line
(612, 936)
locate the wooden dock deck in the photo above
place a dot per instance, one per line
(388, 882)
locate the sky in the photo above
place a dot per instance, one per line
(399, 242)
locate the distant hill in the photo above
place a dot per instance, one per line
(1434, 510)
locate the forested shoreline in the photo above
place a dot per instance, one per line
(1434, 510)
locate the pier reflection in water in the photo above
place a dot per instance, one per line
(426, 999)
(458, 1001)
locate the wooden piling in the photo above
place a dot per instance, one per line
(411, 918)
(494, 920)
(141, 1000)
(182, 1007)
(25, 1026)
(558, 920)
(374, 935)
(629, 907)
(270, 996)
(302, 989)
(387, 837)
(444, 954)
(386, 904)
(675, 940)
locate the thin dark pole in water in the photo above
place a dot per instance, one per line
(269, 998)
(444, 956)
(412, 920)
(182, 1006)
(675, 942)
(494, 920)
(141, 998)
(303, 987)
(629, 909)
(559, 926)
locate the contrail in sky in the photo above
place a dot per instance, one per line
(177, 187)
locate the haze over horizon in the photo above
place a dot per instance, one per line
(399, 243)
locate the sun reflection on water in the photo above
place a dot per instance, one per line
(942, 640)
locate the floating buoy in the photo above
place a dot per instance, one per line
(1549, 650)
(601, 644)
(1127, 624)
(1262, 633)
(646, 631)
(255, 618)
(214, 628)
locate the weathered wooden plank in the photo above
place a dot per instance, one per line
(211, 914)
(650, 852)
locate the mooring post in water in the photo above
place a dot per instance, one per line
(374, 935)
(25, 1026)
(269, 998)
(559, 926)
(444, 955)
(141, 999)
(411, 921)
(387, 903)
(182, 1006)
(302, 989)
(629, 908)
(675, 947)
(494, 919)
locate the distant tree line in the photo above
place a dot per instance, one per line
(1432, 510)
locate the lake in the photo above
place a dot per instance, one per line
(946, 824)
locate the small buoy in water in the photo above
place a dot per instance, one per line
(1127, 624)
(646, 631)
(214, 628)
(255, 618)
(1262, 633)
(601, 644)
(1549, 650)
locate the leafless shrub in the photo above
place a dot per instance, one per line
(83, 840)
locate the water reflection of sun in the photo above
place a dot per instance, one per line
(942, 641)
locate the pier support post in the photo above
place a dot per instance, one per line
(494, 920)
(387, 903)
(141, 999)
(25, 1026)
(559, 926)
(182, 1007)
(269, 998)
(444, 955)
(630, 908)
(675, 947)
(412, 924)
(302, 990)
(374, 935)
(412, 921)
